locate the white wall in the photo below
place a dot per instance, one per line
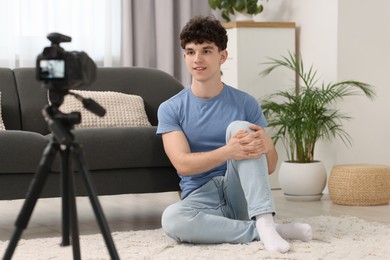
(316, 22)
(364, 54)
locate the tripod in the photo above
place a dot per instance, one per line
(62, 142)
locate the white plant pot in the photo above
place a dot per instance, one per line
(302, 181)
(243, 17)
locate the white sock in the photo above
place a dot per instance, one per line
(299, 231)
(269, 236)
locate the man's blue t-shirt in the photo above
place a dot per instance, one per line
(204, 123)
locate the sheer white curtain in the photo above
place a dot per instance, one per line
(94, 25)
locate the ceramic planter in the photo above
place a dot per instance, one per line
(243, 17)
(302, 181)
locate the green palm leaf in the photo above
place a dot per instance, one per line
(302, 116)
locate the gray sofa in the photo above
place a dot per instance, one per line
(121, 159)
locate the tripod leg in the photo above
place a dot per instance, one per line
(78, 156)
(69, 210)
(73, 217)
(65, 196)
(32, 196)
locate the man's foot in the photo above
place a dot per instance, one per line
(269, 236)
(300, 231)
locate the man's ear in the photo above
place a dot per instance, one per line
(224, 55)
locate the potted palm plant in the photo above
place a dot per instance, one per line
(236, 7)
(300, 117)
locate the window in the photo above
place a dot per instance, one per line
(94, 25)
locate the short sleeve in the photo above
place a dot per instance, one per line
(168, 119)
(255, 112)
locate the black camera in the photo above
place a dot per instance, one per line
(61, 69)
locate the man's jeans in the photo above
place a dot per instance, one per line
(223, 210)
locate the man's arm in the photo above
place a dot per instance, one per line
(242, 145)
(186, 163)
(272, 159)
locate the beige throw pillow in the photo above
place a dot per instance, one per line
(2, 126)
(121, 109)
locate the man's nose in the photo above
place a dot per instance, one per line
(198, 57)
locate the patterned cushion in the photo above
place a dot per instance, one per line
(122, 109)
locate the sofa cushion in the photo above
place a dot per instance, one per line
(21, 151)
(120, 148)
(2, 127)
(10, 106)
(121, 109)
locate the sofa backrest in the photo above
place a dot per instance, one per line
(10, 111)
(154, 86)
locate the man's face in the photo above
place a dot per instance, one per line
(204, 60)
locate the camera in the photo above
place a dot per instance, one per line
(60, 69)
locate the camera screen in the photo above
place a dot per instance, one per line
(52, 69)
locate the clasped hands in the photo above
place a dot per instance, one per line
(247, 144)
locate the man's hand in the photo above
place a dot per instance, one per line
(265, 142)
(249, 145)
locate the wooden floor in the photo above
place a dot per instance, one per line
(143, 211)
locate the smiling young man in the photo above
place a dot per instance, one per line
(214, 136)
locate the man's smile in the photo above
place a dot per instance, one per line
(199, 68)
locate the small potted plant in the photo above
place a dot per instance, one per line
(236, 7)
(300, 117)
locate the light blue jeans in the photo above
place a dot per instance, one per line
(223, 210)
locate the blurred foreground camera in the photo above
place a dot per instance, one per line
(60, 69)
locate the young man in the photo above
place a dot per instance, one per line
(214, 136)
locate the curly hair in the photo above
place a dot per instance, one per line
(204, 29)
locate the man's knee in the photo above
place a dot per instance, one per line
(168, 218)
(172, 221)
(236, 126)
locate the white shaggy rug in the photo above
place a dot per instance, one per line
(333, 238)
